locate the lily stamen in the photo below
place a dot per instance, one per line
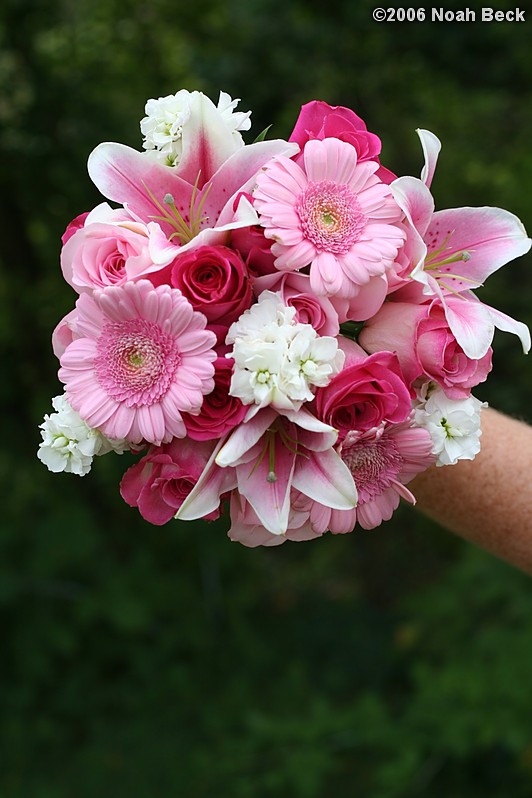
(185, 230)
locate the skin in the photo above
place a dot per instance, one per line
(488, 501)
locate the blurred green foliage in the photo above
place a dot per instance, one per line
(145, 662)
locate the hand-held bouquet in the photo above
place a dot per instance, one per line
(284, 325)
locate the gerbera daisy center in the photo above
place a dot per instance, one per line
(374, 465)
(136, 361)
(330, 215)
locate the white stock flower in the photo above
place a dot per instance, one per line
(279, 360)
(69, 444)
(235, 121)
(162, 127)
(453, 424)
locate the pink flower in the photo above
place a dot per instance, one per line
(254, 248)
(64, 333)
(453, 251)
(215, 281)
(73, 226)
(294, 289)
(369, 389)
(140, 357)
(267, 457)
(161, 481)
(331, 213)
(421, 338)
(247, 529)
(193, 201)
(101, 254)
(319, 120)
(382, 460)
(219, 412)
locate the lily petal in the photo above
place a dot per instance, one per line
(490, 237)
(431, 149)
(207, 141)
(244, 437)
(471, 323)
(204, 498)
(124, 175)
(415, 200)
(269, 499)
(325, 478)
(507, 324)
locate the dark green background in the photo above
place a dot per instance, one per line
(143, 662)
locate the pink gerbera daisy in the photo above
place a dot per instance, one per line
(332, 213)
(139, 358)
(382, 460)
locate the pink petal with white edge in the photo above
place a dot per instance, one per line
(415, 200)
(270, 500)
(244, 437)
(124, 175)
(431, 149)
(471, 324)
(491, 237)
(507, 324)
(325, 478)
(307, 421)
(204, 498)
(207, 141)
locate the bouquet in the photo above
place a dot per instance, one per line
(283, 327)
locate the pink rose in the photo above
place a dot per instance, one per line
(215, 281)
(160, 482)
(319, 120)
(247, 529)
(73, 226)
(425, 346)
(295, 291)
(369, 389)
(100, 254)
(219, 411)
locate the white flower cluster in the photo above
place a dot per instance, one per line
(235, 121)
(162, 127)
(277, 359)
(69, 444)
(453, 424)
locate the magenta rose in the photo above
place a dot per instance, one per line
(295, 291)
(319, 120)
(100, 254)
(425, 346)
(220, 412)
(255, 249)
(215, 281)
(73, 226)
(161, 481)
(369, 389)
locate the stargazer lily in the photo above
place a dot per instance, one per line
(201, 198)
(453, 251)
(267, 456)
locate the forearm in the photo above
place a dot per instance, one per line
(488, 500)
